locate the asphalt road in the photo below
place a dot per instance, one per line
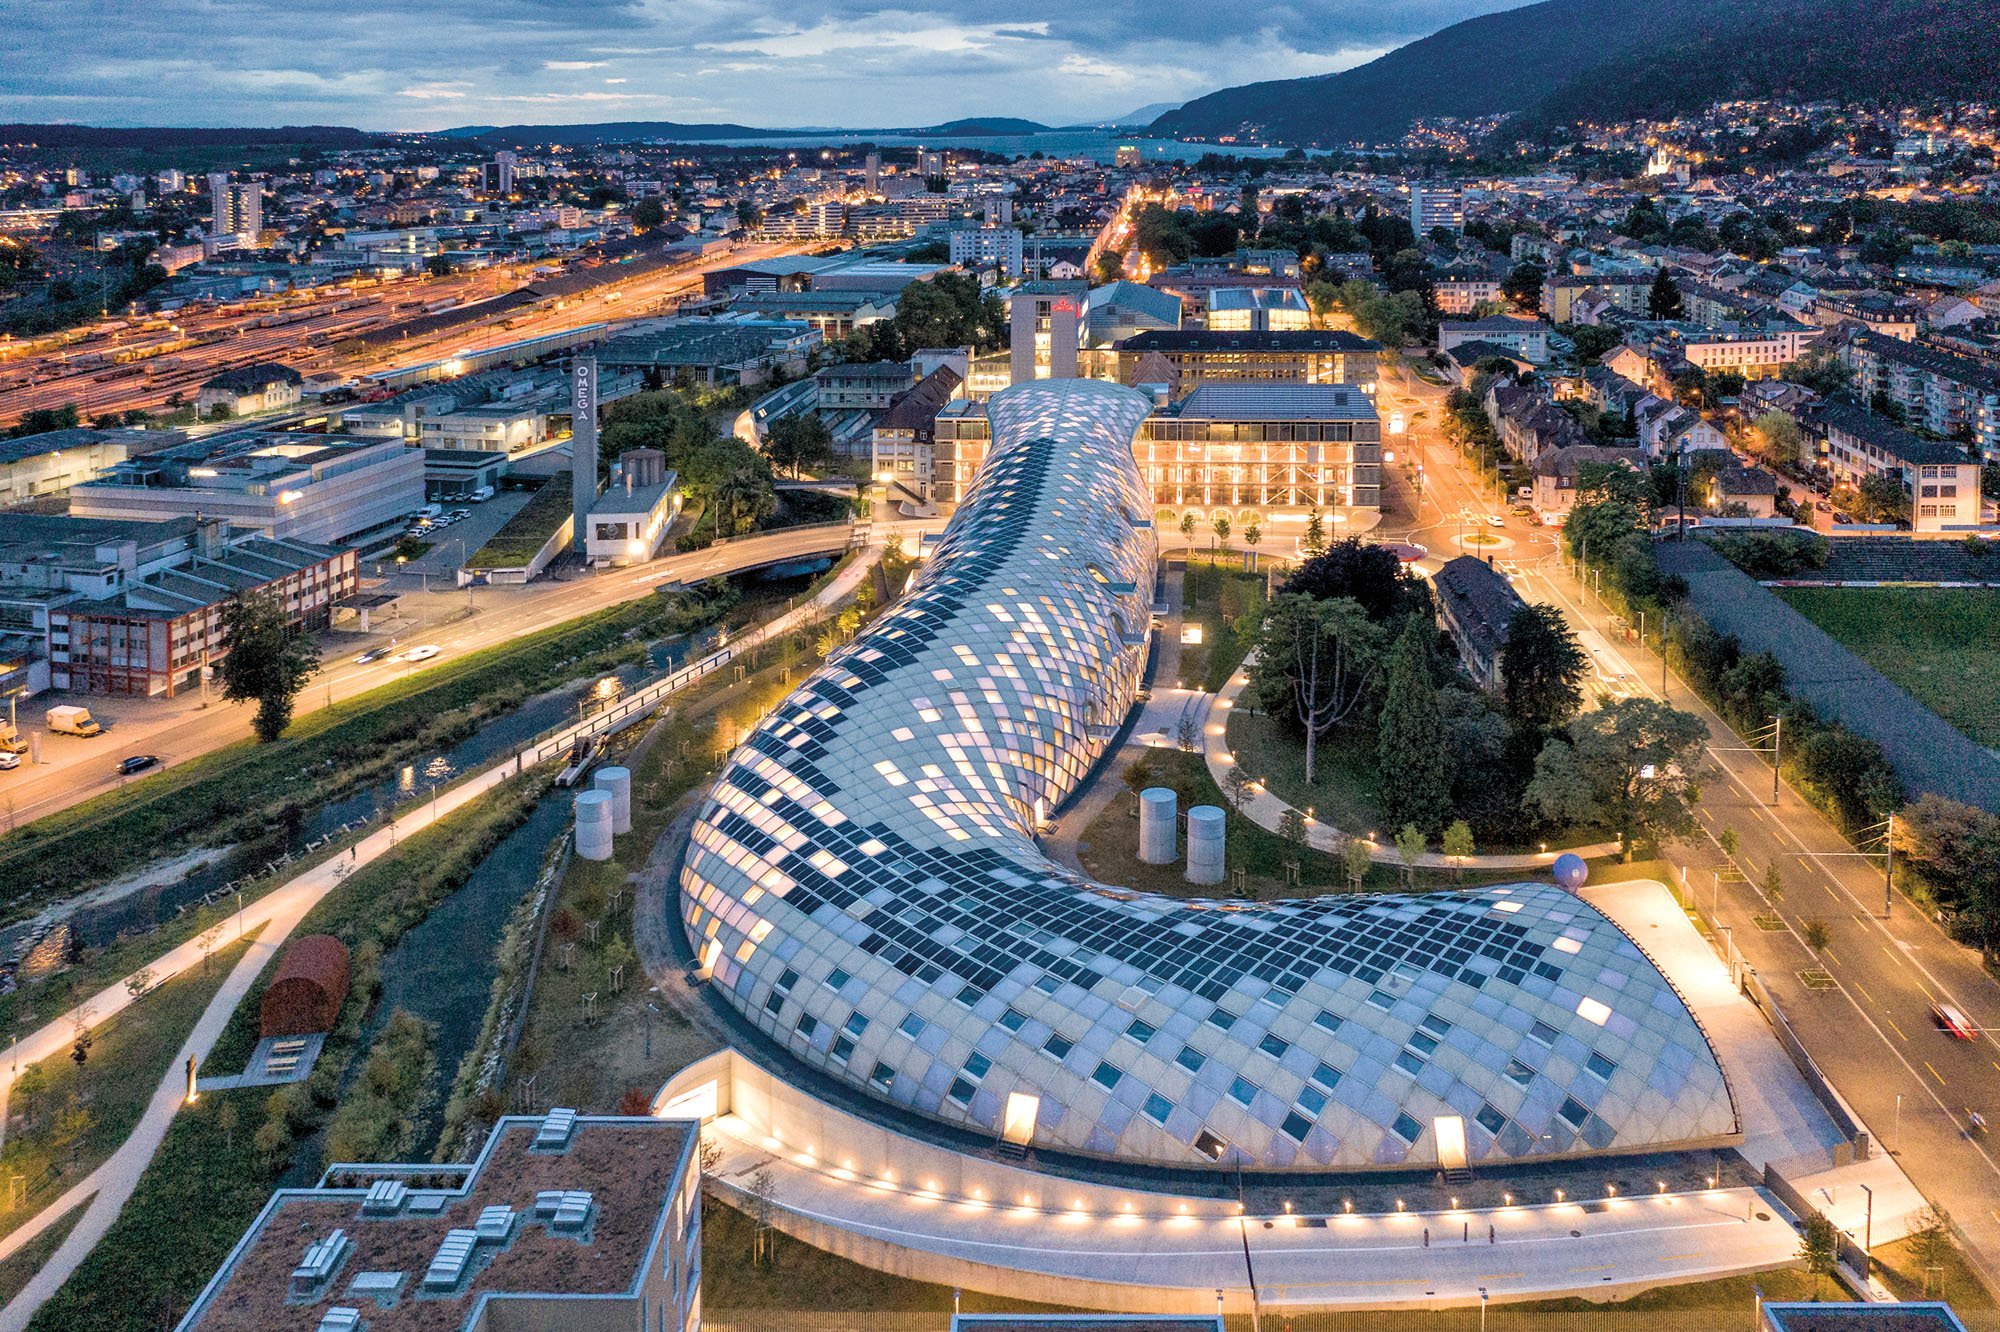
(1862, 1006)
(74, 769)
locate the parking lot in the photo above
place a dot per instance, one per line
(453, 543)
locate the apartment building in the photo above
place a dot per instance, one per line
(1940, 479)
(1945, 393)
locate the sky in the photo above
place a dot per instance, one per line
(432, 64)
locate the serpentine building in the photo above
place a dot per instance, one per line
(864, 886)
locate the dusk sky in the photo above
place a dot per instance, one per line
(429, 64)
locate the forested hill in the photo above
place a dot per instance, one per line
(1607, 60)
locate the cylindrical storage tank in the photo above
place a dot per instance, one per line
(617, 782)
(593, 825)
(1206, 838)
(1158, 836)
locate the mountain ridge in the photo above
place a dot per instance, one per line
(1567, 60)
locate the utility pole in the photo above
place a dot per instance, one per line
(1888, 866)
(1777, 746)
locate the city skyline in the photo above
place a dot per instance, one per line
(834, 63)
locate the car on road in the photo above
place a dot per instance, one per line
(373, 654)
(1955, 1024)
(422, 653)
(137, 763)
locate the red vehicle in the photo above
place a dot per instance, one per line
(1955, 1024)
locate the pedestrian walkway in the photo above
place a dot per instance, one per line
(1266, 810)
(277, 912)
(924, 1211)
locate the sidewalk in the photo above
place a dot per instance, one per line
(1266, 810)
(279, 911)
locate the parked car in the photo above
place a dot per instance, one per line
(1955, 1024)
(137, 763)
(422, 653)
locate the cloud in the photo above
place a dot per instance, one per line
(763, 62)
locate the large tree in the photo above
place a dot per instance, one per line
(800, 442)
(1368, 574)
(267, 662)
(1541, 669)
(1631, 764)
(1523, 287)
(1315, 660)
(1663, 301)
(1410, 737)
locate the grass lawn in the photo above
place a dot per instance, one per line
(1217, 596)
(1346, 793)
(27, 1260)
(1954, 1281)
(50, 1145)
(1942, 644)
(191, 1205)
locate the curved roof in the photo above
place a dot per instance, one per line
(864, 886)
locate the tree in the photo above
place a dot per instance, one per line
(1410, 846)
(648, 213)
(1354, 861)
(1819, 1249)
(1774, 437)
(1313, 543)
(1931, 1241)
(265, 661)
(1458, 845)
(1523, 287)
(1631, 764)
(1774, 884)
(800, 442)
(1541, 669)
(1314, 662)
(1663, 301)
(1237, 781)
(1414, 767)
(1371, 575)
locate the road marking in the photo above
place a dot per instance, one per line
(1934, 1073)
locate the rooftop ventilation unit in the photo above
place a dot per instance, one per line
(385, 1198)
(322, 1258)
(563, 1209)
(556, 1130)
(447, 1268)
(495, 1224)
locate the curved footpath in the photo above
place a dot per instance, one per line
(278, 912)
(1265, 809)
